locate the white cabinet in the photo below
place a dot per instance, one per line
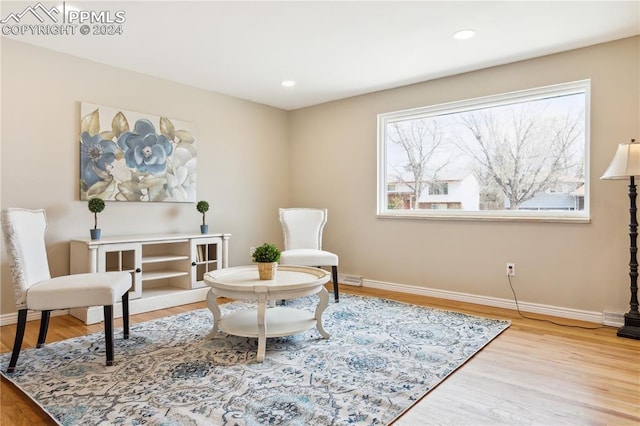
(167, 270)
(118, 257)
(207, 255)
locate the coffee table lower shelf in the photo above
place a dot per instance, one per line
(279, 321)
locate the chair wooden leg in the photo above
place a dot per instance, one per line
(108, 332)
(334, 272)
(17, 344)
(44, 326)
(125, 314)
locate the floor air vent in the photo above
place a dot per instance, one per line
(355, 280)
(613, 319)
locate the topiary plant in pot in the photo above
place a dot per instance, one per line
(203, 207)
(96, 205)
(266, 256)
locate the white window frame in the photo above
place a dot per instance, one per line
(581, 216)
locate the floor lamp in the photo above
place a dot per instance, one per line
(626, 165)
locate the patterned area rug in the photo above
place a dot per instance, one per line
(382, 356)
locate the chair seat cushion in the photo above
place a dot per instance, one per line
(79, 290)
(308, 257)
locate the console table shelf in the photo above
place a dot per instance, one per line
(155, 259)
(167, 270)
(159, 275)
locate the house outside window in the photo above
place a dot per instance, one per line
(515, 155)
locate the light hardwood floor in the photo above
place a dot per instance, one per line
(535, 373)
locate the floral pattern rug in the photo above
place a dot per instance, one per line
(382, 356)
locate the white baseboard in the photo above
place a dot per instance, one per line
(150, 301)
(556, 311)
(12, 318)
(94, 314)
(606, 318)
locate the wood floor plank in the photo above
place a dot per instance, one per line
(534, 373)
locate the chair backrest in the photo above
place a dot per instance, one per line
(303, 228)
(23, 232)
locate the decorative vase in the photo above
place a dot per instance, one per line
(204, 229)
(267, 270)
(95, 234)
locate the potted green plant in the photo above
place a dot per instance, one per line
(96, 205)
(266, 256)
(203, 207)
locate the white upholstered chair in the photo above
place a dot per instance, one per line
(302, 230)
(24, 232)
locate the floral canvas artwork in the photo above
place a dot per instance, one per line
(129, 156)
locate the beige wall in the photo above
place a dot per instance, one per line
(242, 154)
(253, 159)
(580, 266)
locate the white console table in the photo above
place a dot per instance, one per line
(167, 269)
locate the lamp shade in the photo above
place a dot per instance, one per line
(625, 163)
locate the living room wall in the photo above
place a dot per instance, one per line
(577, 266)
(242, 147)
(253, 159)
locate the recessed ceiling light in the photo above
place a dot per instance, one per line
(464, 34)
(288, 83)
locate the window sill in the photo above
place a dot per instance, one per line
(487, 218)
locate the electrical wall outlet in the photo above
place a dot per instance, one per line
(511, 269)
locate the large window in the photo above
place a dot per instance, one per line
(514, 155)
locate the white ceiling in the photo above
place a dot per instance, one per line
(336, 49)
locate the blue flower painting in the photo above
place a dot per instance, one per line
(127, 156)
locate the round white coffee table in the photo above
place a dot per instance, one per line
(290, 282)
